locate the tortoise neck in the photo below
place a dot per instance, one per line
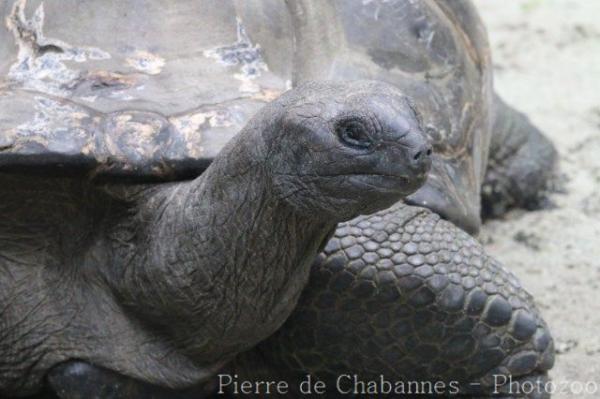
(266, 248)
(226, 259)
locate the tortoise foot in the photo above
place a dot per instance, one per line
(522, 165)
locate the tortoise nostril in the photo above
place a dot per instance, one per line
(421, 157)
(419, 154)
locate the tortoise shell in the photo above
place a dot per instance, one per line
(152, 91)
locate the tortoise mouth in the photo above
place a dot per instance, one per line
(385, 179)
(388, 182)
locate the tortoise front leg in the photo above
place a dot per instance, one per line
(81, 380)
(521, 163)
(407, 295)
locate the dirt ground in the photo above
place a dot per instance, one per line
(547, 63)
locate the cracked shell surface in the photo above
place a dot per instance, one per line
(141, 94)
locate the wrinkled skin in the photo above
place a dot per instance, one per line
(401, 293)
(435, 51)
(407, 295)
(165, 283)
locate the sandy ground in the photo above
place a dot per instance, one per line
(547, 63)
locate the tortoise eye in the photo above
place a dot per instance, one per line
(353, 133)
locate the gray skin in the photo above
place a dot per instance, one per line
(155, 96)
(400, 293)
(166, 283)
(405, 294)
(521, 167)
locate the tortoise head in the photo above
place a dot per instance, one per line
(348, 148)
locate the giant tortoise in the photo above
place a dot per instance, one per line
(171, 171)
